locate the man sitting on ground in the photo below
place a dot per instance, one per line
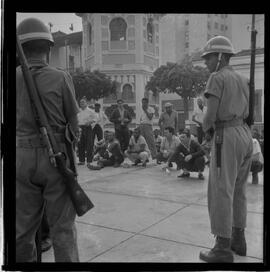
(158, 139)
(138, 151)
(168, 146)
(257, 161)
(188, 155)
(107, 152)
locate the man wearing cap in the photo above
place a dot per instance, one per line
(227, 94)
(168, 118)
(37, 180)
(121, 119)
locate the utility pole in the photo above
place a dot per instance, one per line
(250, 119)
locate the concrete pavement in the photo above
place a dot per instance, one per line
(145, 215)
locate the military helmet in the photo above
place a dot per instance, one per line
(218, 44)
(33, 29)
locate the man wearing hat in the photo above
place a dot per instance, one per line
(121, 119)
(37, 180)
(168, 118)
(227, 94)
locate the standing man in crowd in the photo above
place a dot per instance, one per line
(87, 118)
(121, 119)
(146, 126)
(198, 118)
(168, 118)
(99, 125)
(227, 94)
(37, 180)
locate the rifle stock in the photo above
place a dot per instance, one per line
(79, 199)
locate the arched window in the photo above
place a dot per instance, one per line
(150, 32)
(127, 93)
(118, 29)
(89, 34)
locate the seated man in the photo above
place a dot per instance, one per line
(168, 146)
(107, 152)
(138, 150)
(158, 139)
(189, 156)
(257, 161)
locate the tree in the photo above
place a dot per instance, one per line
(184, 79)
(92, 85)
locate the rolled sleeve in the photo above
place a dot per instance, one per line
(213, 86)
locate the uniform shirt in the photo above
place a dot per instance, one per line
(136, 146)
(199, 114)
(169, 120)
(87, 115)
(169, 146)
(257, 149)
(144, 118)
(57, 93)
(232, 90)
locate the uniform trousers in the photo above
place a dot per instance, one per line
(37, 182)
(97, 131)
(86, 144)
(148, 134)
(227, 203)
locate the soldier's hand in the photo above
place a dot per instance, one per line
(188, 158)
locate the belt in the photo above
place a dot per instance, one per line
(229, 123)
(36, 141)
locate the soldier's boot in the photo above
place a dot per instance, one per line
(255, 178)
(238, 241)
(220, 253)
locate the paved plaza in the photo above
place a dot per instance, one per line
(145, 215)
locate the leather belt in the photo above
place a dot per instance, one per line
(36, 141)
(229, 123)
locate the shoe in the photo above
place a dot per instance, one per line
(46, 244)
(200, 176)
(94, 167)
(81, 163)
(220, 253)
(184, 175)
(136, 162)
(238, 241)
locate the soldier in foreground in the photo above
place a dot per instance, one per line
(227, 94)
(37, 180)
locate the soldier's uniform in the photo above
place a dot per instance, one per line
(36, 179)
(231, 155)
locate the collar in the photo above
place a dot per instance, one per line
(33, 62)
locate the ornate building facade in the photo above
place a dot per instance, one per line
(126, 47)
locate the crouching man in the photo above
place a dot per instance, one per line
(138, 151)
(189, 156)
(107, 152)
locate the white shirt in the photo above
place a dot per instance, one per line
(144, 118)
(199, 114)
(87, 116)
(257, 149)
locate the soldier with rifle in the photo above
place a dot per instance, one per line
(46, 125)
(227, 94)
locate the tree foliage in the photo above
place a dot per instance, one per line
(184, 79)
(92, 85)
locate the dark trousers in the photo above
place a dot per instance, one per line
(122, 135)
(193, 165)
(85, 145)
(97, 131)
(200, 134)
(45, 230)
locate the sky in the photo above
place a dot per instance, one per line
(60, 21)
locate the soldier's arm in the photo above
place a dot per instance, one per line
(211, 113)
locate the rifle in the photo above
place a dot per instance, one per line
(250, 119)
(79, 199)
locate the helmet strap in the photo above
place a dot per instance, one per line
(218, 63)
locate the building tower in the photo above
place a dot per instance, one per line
(126, 47)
